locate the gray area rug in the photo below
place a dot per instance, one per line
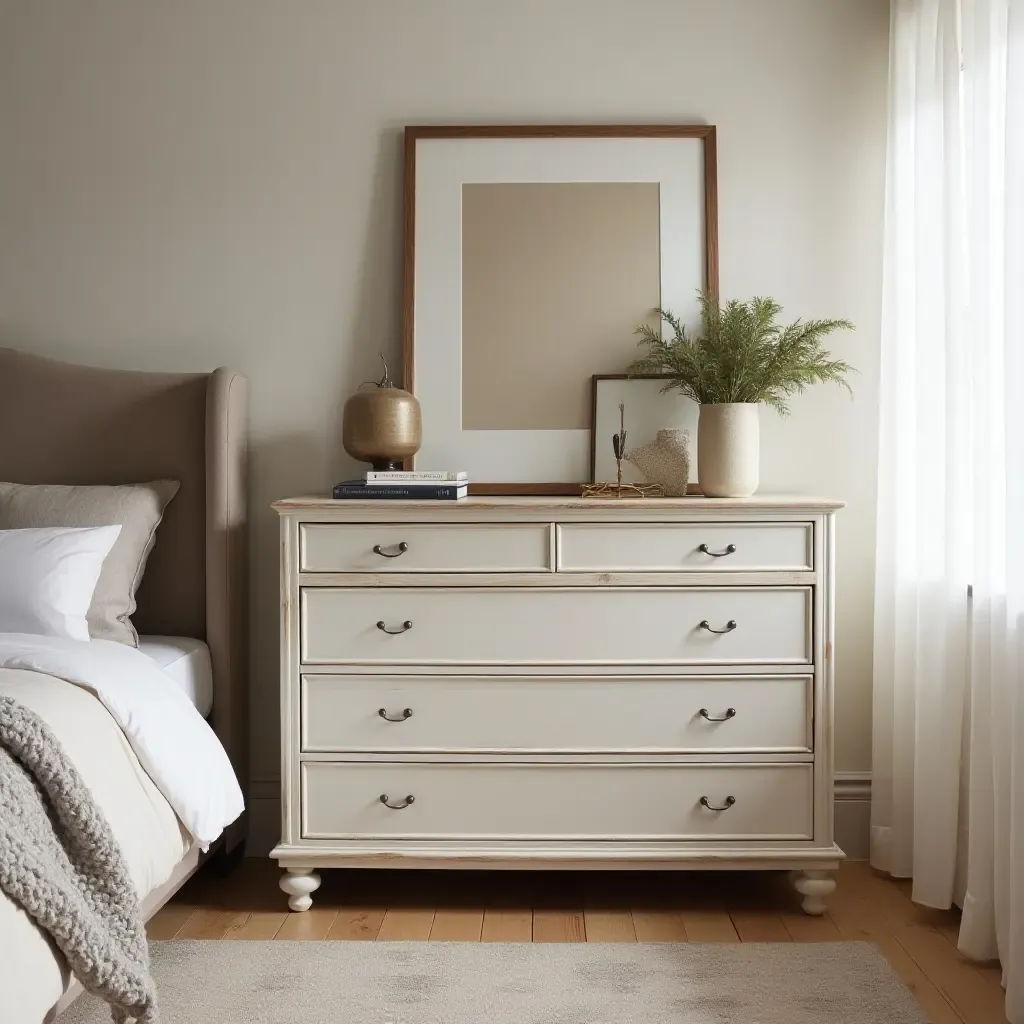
(466, 983)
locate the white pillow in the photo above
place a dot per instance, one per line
(47, 578)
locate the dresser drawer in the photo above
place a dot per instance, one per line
(424, 547)
(556, 626)
(685, 547)
(529, 801)
(568, 714)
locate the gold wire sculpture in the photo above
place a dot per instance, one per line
(623, 491)
(619, 489)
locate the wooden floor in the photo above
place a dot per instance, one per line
(597, 907)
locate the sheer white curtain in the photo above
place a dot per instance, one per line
(949, 595)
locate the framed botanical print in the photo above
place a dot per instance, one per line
(531, 254)
(641, 407)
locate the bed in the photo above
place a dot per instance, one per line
(61, 423)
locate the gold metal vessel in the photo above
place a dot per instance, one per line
(382, 426)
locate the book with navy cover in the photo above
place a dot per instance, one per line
(360, 489)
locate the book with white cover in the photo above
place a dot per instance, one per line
(400, 478)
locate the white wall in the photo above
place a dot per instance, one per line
(199, 182)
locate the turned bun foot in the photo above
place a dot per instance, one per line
(299, 884)
(814, 886)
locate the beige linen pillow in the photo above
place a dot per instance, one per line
(136, 508)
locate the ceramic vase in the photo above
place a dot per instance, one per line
(665, 461)
(728, 450)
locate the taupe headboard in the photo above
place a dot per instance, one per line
(61, 423)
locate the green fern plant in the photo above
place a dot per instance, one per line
(742, 354)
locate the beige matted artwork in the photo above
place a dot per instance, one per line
(531, 255)
(553, 274)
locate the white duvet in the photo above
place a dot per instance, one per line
(173, 742)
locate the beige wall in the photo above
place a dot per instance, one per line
(198, 182)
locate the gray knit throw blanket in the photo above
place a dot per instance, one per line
(60, 862)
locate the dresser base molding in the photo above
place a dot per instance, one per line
(809, 869)
(653, 857)
(560, 856)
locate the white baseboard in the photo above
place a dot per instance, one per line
(852, 815)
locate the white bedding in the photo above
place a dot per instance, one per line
(171, 739)
(187, 661)
(151, 762)
(33, 974)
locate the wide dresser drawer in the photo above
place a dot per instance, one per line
(417, 800)
(537, 713)
(425, 547)
(685, 547)
(715, 625)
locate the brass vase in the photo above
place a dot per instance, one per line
(382, 426)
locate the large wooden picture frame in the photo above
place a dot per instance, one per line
(634, 203)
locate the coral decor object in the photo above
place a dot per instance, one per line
(665, 461)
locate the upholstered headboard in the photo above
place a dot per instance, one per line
(67, 424)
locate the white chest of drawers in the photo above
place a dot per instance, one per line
(557, 683)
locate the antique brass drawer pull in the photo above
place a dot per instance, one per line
(705, 802)
(402, 548)
(404, 716)
(386, 801)
(729, 549)
(729, 713)
(729, 626)
(394, 632)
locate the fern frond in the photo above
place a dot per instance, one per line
(742, 354)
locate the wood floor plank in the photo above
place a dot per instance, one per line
(211, 924)
(950, 930)
(759, 926)
(659, 926)
(993, 972)
(357, 924)
(606, 890)
(708, 926)
(507, 924)
(609, 926)
(252, 885)
(166, 923)
(974, 997)
(558, 926)
(807, 928)
(936, 1006)
(457, 925)
(262, 925)
(889, 899)
(858, 921)
(406, 925)
(311, 925)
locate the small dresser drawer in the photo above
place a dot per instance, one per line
(556, 714)
(424, 547)
(685, 547)
(495, 626)
(530, 801)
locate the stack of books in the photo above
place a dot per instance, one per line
(427, 485)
